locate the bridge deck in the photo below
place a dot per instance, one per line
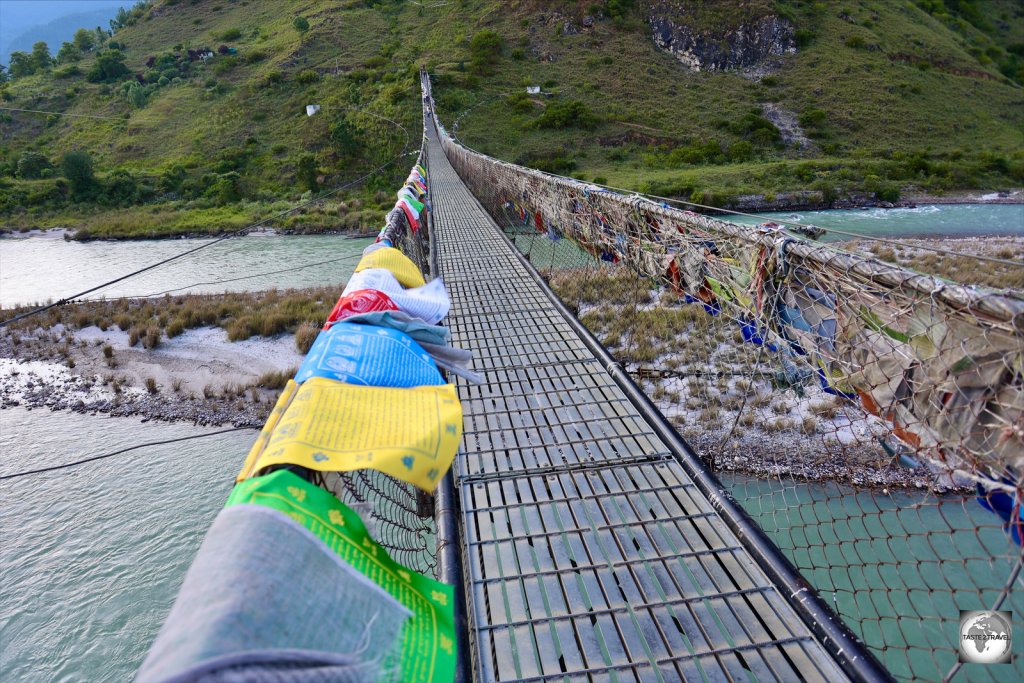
(589, 553)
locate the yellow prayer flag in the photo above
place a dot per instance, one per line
(389, 258)
(411, 434)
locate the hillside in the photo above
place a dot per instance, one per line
(754, 97)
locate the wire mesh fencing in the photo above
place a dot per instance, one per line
(868, 417)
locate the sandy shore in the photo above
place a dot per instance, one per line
(197, 377)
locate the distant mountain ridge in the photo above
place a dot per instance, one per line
(205, 100)
(55, 31)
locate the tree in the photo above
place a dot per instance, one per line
(301, 24)
(618, 9)
(22, 64)
(345, 137)
(77, 168)
(84, 39)
(484, 49)
(121, 20)
(306, 173)
(3, 74)
(41, 55)
(68, 53)
(32, 165)
(108, 68)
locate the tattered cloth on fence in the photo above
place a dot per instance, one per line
(371, 356)
(398, 264)
(432, 338)
(943, 369)
(411, 434)
(429, 303)
(267, 601)
(428, 637)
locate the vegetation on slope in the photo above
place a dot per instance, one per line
(891, 98)
(195, 144)
(919, 96)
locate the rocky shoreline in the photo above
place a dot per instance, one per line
(811, 200)
(199, 377)
(32, 384)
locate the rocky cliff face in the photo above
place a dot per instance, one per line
(705, 43)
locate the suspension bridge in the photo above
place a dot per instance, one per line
(594, 544)
(577, 536)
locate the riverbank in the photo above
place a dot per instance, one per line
(206, 359)
(199, 377)
(358, 222)
(814, 200)
(180, 219)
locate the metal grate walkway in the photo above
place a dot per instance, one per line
(588, 552)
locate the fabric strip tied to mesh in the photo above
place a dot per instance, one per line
(410, 434)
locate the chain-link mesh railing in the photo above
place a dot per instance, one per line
(863, 414)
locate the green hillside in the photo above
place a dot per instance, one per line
(892, 96)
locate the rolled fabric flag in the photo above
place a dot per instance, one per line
(427, 647)
(359, 301)
(370, 356)
(455, 361)
(429, 303)
(410, 434)
(423, 171)
(375, 246)
(421, 332)
(398, 264)
(412, 209)
(407, 193)
(432, 338)
(417, 190)
(217, 631)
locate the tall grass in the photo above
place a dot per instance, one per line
(241, 314)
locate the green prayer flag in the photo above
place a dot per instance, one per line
(428, 638)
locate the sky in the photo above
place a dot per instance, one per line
(22, 22)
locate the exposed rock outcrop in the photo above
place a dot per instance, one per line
(711, 43)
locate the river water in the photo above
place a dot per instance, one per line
(35, 269)
(91, 557)
(933, 220)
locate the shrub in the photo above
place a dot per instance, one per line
(108, 67)
(77, 168)
(305, 335)
(520, 102)
(568, 114)
(803, 37)
(308, 76)
(741, 151)
(484, 49)
(151, 386)
(108, 351)
(276, 379)
(152, 338)
(175, 328)
(231, 34)
(32, 165)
